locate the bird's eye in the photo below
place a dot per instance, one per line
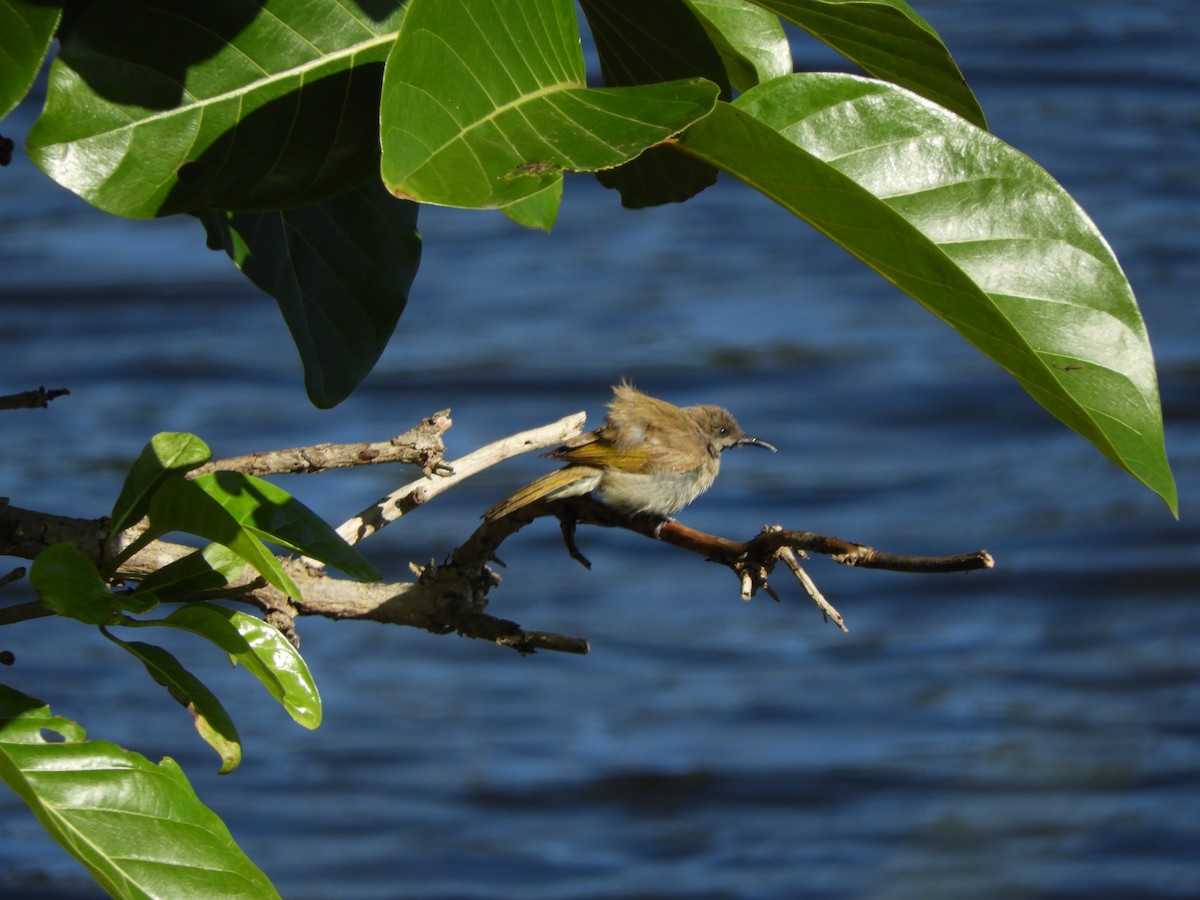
(722, 430)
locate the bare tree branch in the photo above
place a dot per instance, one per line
(396, 504)
(420, 446)
(15, 575)
(25, 533)
(36, 399)
(752, 561)
(452, 597)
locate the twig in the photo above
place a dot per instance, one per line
(396, 504)
(752, 561)
(36, 399)
(421, 446)
(15, 575)
(23, 612)
(810, 586)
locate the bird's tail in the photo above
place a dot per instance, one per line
(570, 481)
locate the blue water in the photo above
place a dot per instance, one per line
(1033, 731)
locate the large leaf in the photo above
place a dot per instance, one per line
(972, 229)
(259, 648)
(26, 29)
(156, 107)
(209, 716)
(890, 41)
(485, 104)
(340, 270)
(138, 828)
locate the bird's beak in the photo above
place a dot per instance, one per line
(748, 441)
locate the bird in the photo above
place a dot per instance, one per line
(649, 458)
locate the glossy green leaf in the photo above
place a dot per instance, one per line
(969, 227)
(890, 41)
(259, 648)
(156, 107)
(209, 716)
(166, 454)
(485, 103)
(340, 270)
(181, 505)
(68, 583)
(273, 514)
(26, 30)
(138, 828)
(751, 41)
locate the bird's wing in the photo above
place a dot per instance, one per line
(601, 453)
(558, 480)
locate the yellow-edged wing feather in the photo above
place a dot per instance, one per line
(602, 454)
(536, 490)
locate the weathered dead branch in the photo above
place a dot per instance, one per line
(451, 597)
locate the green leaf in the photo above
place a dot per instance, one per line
(537, 210)
(208, 569)
(751, 41)
(26, 30)
(484, 104)
(259, 648)
(136, 601)
(970, 228)
(273, 514)
(138, 828)
(890, 41)
(340, 270)
(156, 107)
(730, 42)
(68, 583)
(181, 505)
(644, 41)
(166, 454)
(641, 42)
(211, 719)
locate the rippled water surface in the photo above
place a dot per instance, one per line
(1026, 732)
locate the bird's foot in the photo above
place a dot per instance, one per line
(567, 524)
(664, 520)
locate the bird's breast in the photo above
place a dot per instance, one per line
(658, 493)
